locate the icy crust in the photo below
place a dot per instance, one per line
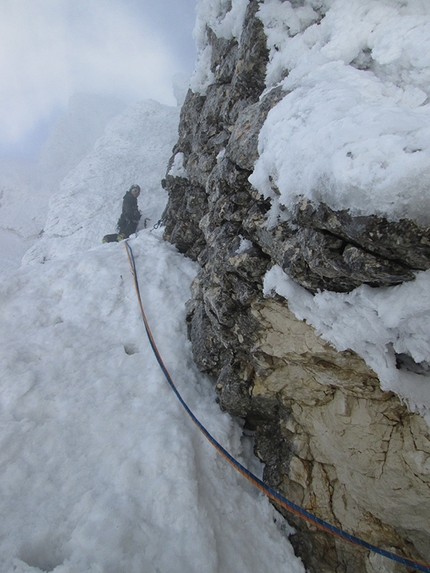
(353, 130)
(376, 323)
(225, 19)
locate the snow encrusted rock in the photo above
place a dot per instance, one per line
(305, 133)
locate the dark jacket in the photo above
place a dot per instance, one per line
(130, 215)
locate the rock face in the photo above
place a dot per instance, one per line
(330, 439)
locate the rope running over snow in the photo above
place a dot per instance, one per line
(271, 493)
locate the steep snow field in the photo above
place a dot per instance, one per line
(101, 468)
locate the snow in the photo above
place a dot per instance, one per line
(244, 245)
(353, 130)
(225, 18)
(178, 169)
(102, 469)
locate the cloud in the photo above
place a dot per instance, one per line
(51, 49)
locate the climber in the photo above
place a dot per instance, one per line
(130, 216)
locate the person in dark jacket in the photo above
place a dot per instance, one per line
(130, 216)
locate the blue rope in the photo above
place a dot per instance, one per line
(284, 502)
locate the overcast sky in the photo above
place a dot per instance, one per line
(51, 49)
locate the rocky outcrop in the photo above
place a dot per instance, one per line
(331, 440)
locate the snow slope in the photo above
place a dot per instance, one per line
(101, 469)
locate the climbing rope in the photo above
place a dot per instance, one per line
(267, 490)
